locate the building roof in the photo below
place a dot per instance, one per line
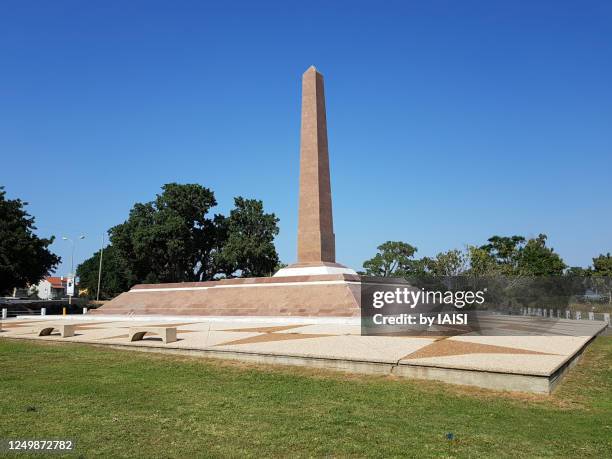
(56, 282)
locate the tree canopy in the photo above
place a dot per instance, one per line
(602, 274)
(248, 235)
(170, 239)
(516, 255)
(602, 265)
(451, 263)
(536, 259)
(394, 258)
(174, 238)
(507, 255)
(24, 257)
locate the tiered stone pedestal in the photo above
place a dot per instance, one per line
(329, 295)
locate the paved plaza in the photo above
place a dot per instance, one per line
(517, 359)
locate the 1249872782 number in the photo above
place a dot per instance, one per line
(37, 445)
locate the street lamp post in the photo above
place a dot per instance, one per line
(72, 273)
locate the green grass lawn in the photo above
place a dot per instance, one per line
(119, 403)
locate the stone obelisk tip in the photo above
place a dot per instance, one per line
(316, 240)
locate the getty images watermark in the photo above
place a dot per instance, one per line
(411, 299)
(394, 306)
(495, 305)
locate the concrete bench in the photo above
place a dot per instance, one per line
(66, 330)
(167, 334)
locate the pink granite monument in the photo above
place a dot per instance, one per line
(316, 239)
(314, 286)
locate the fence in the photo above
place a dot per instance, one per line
(566, 314)
(12, 312)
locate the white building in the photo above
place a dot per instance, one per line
(52, 288)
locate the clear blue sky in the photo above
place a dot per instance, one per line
(448, 121)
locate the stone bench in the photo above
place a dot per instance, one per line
(66, 330)
(167, 334)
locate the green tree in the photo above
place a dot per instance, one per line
(451, 263)
(115, 277)
(24, 257)
(505, 252)
(518, 256)
(173, 239)
(169, 239)
(248, 243)
(602, 274)
(481, 262)
(394, 258)
(535, 259)
(602, 265)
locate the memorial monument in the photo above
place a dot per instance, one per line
(316, 240)
(314, 286)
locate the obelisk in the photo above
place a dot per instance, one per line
(316, 240)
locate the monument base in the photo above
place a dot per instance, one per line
(314, 269)
(327, 295)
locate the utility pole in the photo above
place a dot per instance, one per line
(100, 269)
